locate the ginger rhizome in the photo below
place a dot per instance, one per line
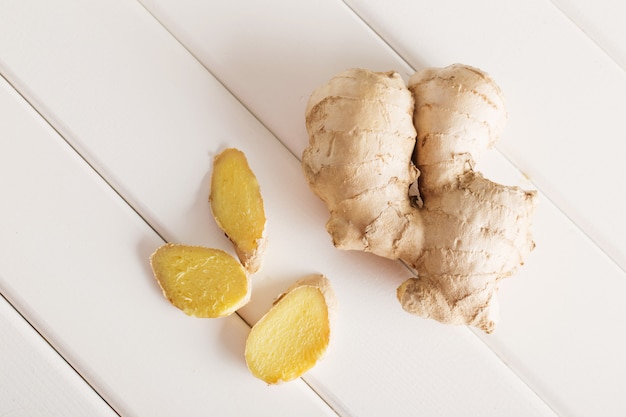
(394, 165)
(202, 282)
(294, 334)
(237, 206)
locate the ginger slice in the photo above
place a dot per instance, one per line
(202, 282)
(237, 206)
(294, 334)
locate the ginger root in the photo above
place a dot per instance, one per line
(371, 137)
(294, 334)
(237, 206)
(202, 282)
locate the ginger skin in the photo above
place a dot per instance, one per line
(370, 139)
(359, 162)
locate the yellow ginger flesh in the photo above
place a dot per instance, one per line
(292, 336)
(237, 206)
(370, 139)
(202, 282)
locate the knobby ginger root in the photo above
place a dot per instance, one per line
(371, 137)
(202, 282)
(294, 334)
(237, 206)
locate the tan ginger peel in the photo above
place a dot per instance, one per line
(371, 137)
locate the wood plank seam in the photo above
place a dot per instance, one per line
(582, 30)
(51, 345)
(199, 61)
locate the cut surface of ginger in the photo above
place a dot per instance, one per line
(292, 336)
(202, 282)
(237, 206)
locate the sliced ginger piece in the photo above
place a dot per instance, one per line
(294, 334)
(202, 282)
(237, 206)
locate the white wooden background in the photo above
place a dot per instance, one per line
(110, 115)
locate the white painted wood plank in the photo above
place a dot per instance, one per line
(273, 63)
(75, 263)
(35, 380)
(603, 21)
(149, 118)
(511, 43)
